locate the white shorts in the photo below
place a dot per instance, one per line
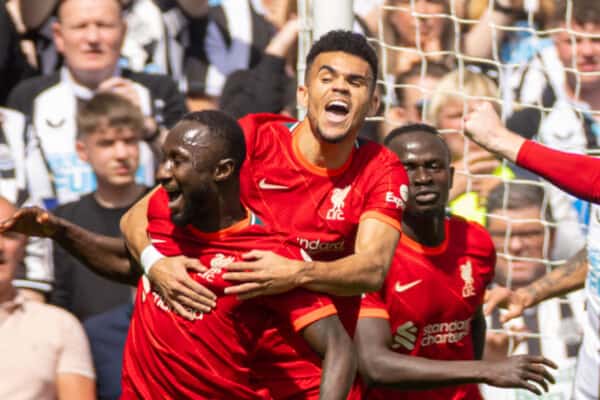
(587, 375)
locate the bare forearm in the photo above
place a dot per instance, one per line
(339, 370)
(562, 280)
(408, 372)
(328, 338)
(348, 276)
(104, 255)
(133, 227)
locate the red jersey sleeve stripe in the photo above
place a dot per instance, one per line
(394, 223)
(373, 313)
(313, 316)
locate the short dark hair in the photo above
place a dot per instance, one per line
(433, 69)
(346, 42)
(519, 195)
(225, 129)
(583, 11)
(411, 128)
(108, 110)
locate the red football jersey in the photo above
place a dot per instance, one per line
(320, 208)
(169, 357)
(430, 296)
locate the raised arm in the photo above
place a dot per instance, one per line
(363, 271)
(574, 173)
(381, 366)
(104, 255)
(331, 341)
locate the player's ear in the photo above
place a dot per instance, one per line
(375, 102)
(302, 96)
(450, 177)
(224, 170)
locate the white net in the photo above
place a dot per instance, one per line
(538, 92)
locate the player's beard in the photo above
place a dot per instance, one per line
(326, 139)
(187, 215)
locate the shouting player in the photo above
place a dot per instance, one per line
(580, 176)
(168, 356)
(339, 198)
(429, 308)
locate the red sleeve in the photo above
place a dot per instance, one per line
(372, 306)
(300, 307)
(486, 251)
(574, 173)
(388, 193)
(251, 125)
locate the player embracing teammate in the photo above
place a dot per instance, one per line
(340, 198)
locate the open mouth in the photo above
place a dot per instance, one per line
(175, 197)
(337, 110)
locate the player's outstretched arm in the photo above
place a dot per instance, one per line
(381, 366)
(104, 255)
(574, 173)
(563, 279)
(266, 273)
(331, 341)
(169, 275)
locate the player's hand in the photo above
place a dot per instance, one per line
(515, 302)
(122, 87)
(520, 372)
(32, 221)
(171, 279)
(262, 273)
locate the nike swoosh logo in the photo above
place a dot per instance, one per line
(401, 288)
(158, 241)
(270, 186)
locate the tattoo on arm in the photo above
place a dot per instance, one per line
(561, 279)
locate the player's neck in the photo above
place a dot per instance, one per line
(427, 230)
(228, 211)
(321, 153)
(109, 196)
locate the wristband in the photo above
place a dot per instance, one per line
(149, 257)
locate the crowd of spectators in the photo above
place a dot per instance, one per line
(89, 88)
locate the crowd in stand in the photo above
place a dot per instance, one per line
(89, 89)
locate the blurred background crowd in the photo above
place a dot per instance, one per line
(136, 66)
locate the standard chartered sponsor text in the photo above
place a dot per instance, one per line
(445, 332)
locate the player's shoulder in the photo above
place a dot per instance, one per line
(472, 234)
(374, 157)
(259, 121)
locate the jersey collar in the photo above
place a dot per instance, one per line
(426, 250)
